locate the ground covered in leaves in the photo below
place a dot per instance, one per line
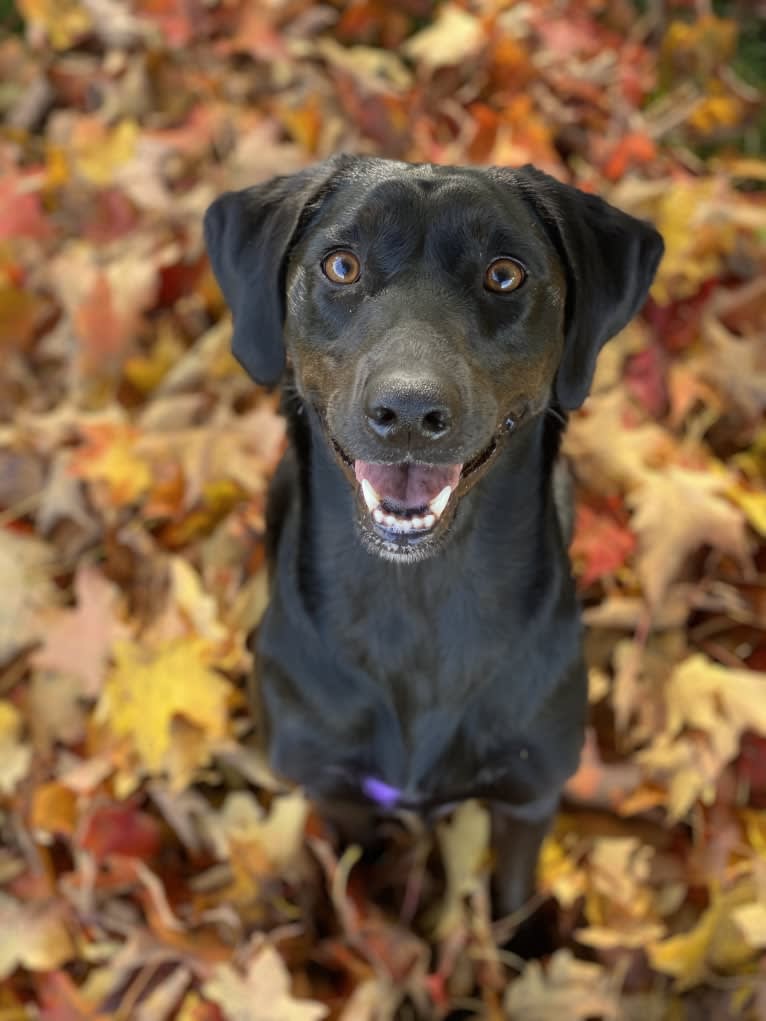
(150, 868)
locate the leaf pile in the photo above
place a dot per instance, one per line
(150, 866)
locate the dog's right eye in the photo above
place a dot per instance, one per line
(341, 267)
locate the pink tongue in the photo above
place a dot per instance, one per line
(408, 485)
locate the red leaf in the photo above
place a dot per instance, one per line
(121, 829)
(601, 543)
(645, 379)
(21, 211)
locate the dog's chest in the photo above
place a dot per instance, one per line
(428, 642)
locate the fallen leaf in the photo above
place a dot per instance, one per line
(454, 37)
(27, 590)
(32, 936)
(464, 844)
(600, 545)
(63, 21)
(708, 708)
(676, 512)
(15, 755)
(261, 994)
(279, 832)
(108, 456)
(607, 467)
(714, 944)
(77, 642)
(146, 690)
(567, 988)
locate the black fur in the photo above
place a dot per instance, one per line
(456, 670)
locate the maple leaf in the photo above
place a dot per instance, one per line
(735, 365)
(31, 936)
(108, 456)
(567, 988)
(98, 151)
(454, 37)
(715, 943)
(63, 21)
(675, 513)
(146, 691)
(606, 467)
(77, 642)
(262, 994)
(708, 707)
(600, 544)
(242, 820)
(105, 299)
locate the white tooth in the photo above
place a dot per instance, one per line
(390, 520)
(417, 522)
(439, 502)
(429, 521)
(378, 515)
(404, 525)
(371, 498)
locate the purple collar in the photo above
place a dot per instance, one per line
(384, 794)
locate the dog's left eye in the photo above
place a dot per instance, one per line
(504, 275)
(341, 267)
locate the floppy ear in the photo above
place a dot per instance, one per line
(610, 259)
(248, 235)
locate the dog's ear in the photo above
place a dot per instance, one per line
(248, 235)
(609, 258)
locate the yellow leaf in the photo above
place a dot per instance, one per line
(693, 253)
(559, 874)
(146, 372)
(64, 21)
(751, 921)
(110, 457)
(464, 844)
(145, 693)
(753, 504)
(715, 942)
(14, 756)
(100, 151)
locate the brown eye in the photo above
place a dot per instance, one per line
(341, 267)
(504, 276)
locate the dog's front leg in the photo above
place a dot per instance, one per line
(517, 835)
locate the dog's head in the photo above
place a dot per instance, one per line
(427, 311)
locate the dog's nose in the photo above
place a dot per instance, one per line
(419, 408)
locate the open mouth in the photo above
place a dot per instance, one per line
(403, 506)
(406, 499)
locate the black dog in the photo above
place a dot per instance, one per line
(433, 325)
